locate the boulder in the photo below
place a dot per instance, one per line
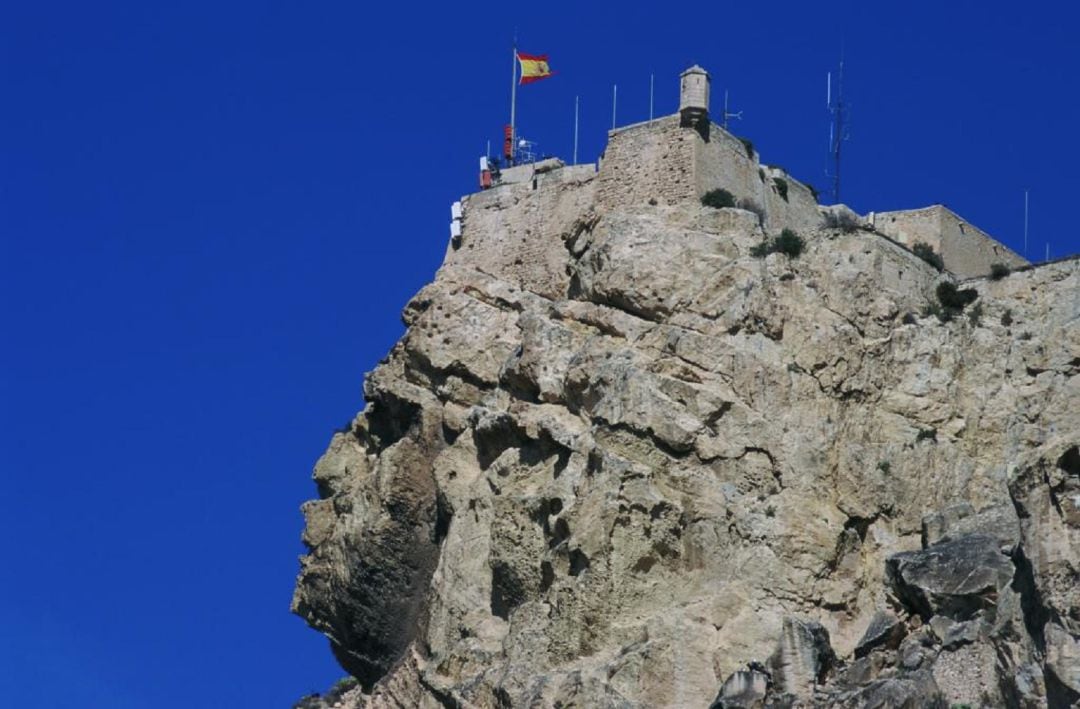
(957, 578)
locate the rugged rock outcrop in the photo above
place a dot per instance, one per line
(617, 461)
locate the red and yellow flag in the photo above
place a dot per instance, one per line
(534, 67)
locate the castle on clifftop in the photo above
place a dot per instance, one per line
(678, 158)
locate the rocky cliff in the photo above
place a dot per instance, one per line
(619, 461)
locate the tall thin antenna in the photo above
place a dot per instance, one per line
(652, 78)
(837, 126)
(575, 128)
(614, 103)
(1025, 223)
(728, 114)
(1047, 251)
(513, 101)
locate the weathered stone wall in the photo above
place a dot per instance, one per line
(722, 161)
(966, 250)
(664, 161)
(653, 160)
(518, 227)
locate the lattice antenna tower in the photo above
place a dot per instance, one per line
(838, 127)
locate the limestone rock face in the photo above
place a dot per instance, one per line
(617, 461)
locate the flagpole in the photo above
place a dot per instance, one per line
(614, 102)
(513, 102)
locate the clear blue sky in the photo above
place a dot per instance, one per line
(211, 215)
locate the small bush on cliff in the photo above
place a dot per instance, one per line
(926, 252)
(975, 315)
(999, 271)
(813, 192)
(951, 301)
(781, 187)
(1007, 318)
(953, 298)
(788, 243)
(748, 146)
(926, 434)
(844, 221)
(718, 199)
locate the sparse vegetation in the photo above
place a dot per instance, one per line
(934, 309)
(652, 201)
(844, 221)
(953, 298)
(788, 243)
(951, 301)
(975, 315)
(770, 511)
(748, 146)
(761, 174)
(813, 192)
(752, 206)
(781, 187)
(999, 271)
(1007, 318)
(884, 466)
(910, 319)
(761, 250)
(926, 252)
(926, 434)
(718, 198)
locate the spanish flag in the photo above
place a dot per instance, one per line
(533, 67)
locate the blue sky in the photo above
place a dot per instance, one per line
(211, 215)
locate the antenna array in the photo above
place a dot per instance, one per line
(837, 127)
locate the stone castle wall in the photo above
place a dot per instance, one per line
(966, 250)
(653, 160)
(664, 161)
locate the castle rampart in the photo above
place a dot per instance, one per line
(966, 250)
(677, 159)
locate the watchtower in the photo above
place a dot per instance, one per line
(694, 96)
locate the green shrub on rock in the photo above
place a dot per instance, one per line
(788, 243)
(718, 198)
(781, 187)
(926, 252)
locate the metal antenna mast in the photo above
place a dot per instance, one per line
(837, 126)
(728, 114)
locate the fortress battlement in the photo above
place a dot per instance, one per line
(678, 158)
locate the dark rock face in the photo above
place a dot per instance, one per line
(803, 656)
(366, 587)
(917, 690)
(745, 689)
(955, 578)
(885, 629)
